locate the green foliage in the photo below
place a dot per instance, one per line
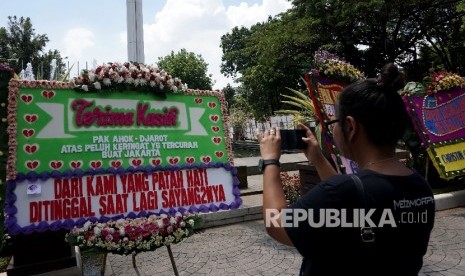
(189, 67)
(413, 89)
(19, 41)
(229, 93)
(390, 31)
(238, 119)
(305, 110)
(268, 57)
(272, 55)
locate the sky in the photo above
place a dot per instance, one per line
(94, 31)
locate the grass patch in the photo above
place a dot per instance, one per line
(4, 261)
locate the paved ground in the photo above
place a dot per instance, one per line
(245, 249)
(446, 251)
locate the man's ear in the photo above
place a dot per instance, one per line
(351, 128)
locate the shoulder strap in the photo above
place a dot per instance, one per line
(366, 233)
(360, 190)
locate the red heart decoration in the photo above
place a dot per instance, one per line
(215, 128)
(56, 164)
(214, 118)
(30, 148)
(48, 94)
(30, 118)
(173, 161)
(206, 159)
(28, 132)
(26, 98)
(190, 160)
(115, 163)
(156, 161)
(32, 164)
(198, 100)
(216, 140)
(212, 104)
(75, 164)
(95, 164)
(219, 154)
(136, 162)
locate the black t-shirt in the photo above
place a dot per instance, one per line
(401, 207)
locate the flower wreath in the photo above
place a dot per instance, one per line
(128, 76)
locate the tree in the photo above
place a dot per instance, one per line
(19, 41)
(389, 31)
(229, 93)
(269, 57)
(189, 67)
(272, 55)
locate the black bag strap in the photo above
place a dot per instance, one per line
(366, 233)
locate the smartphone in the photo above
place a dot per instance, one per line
(291, 139)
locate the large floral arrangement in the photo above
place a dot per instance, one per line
(331, 66)
(443, 80)
(434, 83)
(129, 236)
(128, 76)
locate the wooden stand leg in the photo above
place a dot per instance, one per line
(104, 265)
(134, 260)
(175, 269)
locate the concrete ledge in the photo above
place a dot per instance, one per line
(232, 216)
(449, 200)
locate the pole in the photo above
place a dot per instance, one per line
(175, 269)
(135, 31)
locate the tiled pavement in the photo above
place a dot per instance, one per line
(446, 251)
(245, 249)
(239, 249)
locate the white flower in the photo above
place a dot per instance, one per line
(136, 82)
(97, 231)
(88, 223)
(97, 85)
(107, 81)
(161, 86)
(160, 223)
(129, 80)
(121, 231)
(85, 88)
(191, 222)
